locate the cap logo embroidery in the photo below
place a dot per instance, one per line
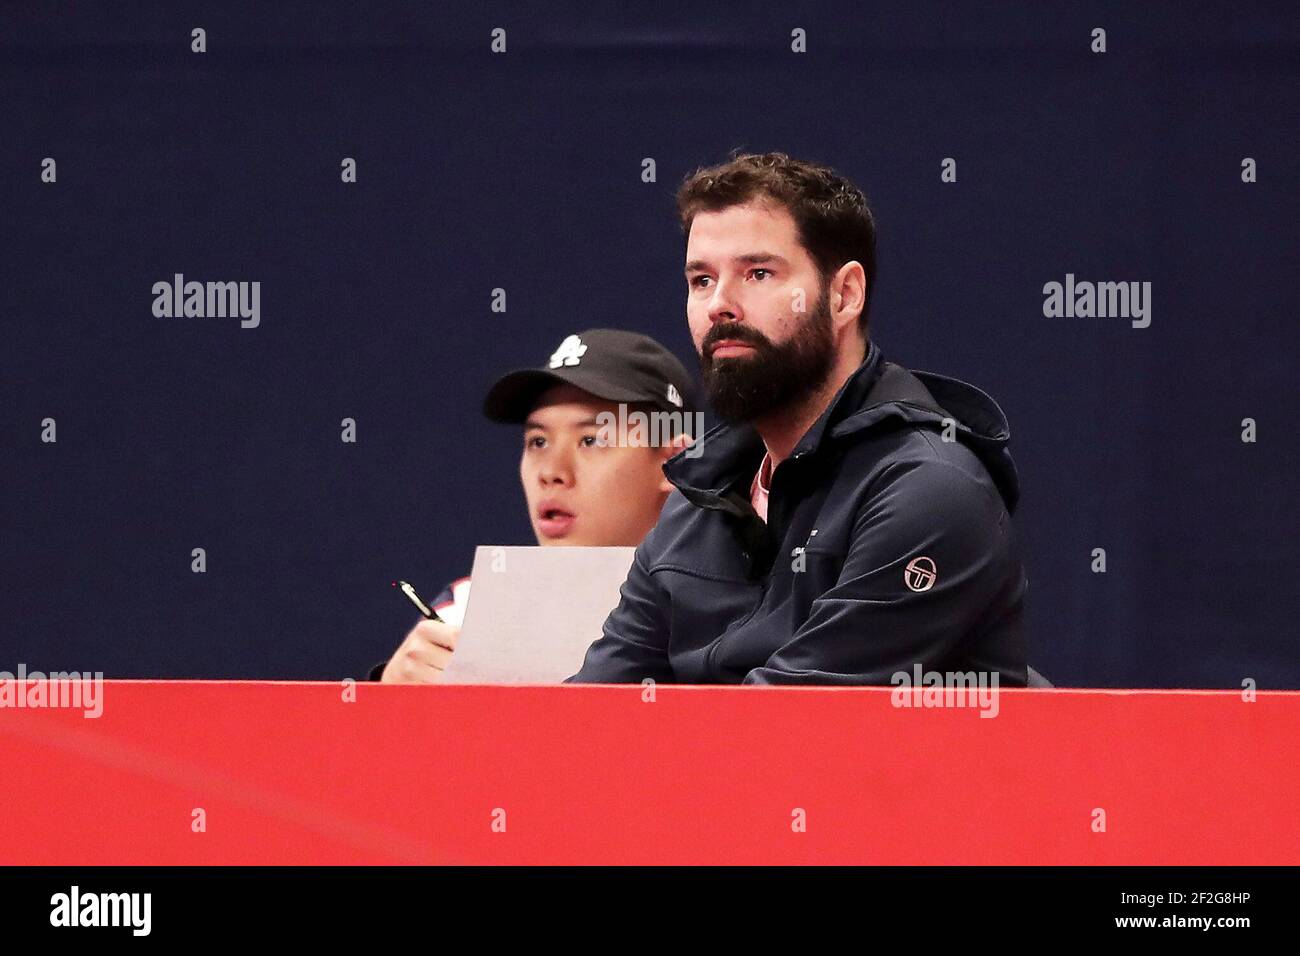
(570, 352)
(920, 574)
(673, 395)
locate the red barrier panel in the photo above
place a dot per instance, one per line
(295, 773)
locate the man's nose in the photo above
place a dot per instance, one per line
(557, 469)
(724, 306)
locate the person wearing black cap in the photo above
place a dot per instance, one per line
(588, 478)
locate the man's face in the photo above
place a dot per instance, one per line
(757, 310)
(580, 492)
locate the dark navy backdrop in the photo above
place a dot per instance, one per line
(522, 171)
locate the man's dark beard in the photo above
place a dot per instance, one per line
(775, 376)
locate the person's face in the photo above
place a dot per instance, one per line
(580, 492)
(756, 307)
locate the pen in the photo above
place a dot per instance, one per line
(423, 608)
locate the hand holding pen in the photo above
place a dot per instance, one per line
(426, 650)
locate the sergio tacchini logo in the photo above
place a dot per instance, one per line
(920, 573)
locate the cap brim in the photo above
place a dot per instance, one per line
(515, 394)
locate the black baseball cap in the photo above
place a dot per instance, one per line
(612, 364)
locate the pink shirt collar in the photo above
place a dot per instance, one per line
(760, 487)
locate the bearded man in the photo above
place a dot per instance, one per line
(849, 520)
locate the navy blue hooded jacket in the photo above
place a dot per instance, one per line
(889, 543)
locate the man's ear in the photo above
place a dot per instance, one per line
(667, 451)
(849, 288)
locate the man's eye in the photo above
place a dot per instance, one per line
(592, 441)
(534, 441)
(755, 272)
(698, 281)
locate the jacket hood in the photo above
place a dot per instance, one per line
(879, 394)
